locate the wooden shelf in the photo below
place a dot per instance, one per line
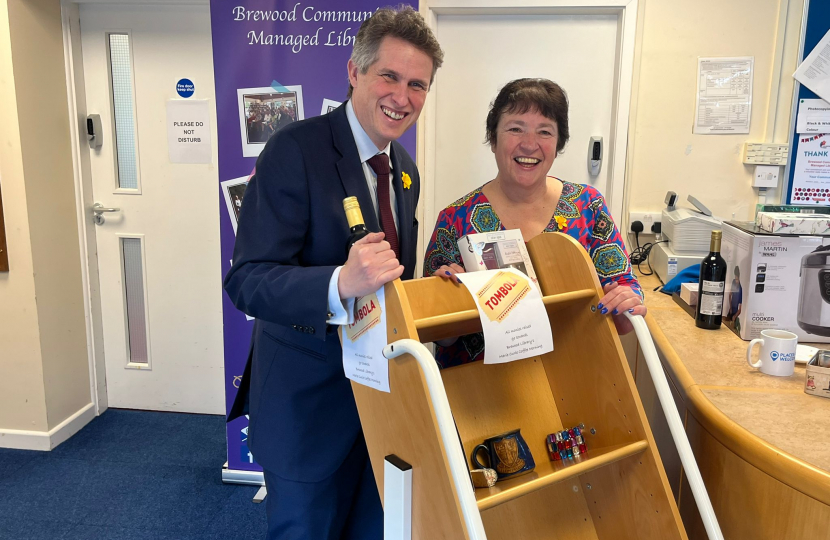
(550, 472)
(468, 322)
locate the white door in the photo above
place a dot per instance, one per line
(158, 255)
(484, 52)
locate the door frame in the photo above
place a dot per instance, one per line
(626, 12)
(76, 97)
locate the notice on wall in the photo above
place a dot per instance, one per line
(188, 131)
(814, 71)
(813, 116)
(811, 177)
(513, 316)
(724, 95)
(363, 342)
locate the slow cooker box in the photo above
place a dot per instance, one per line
(764, 286)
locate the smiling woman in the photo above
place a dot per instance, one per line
(527, 127)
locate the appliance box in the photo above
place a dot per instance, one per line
(763, 280)
(783, 223)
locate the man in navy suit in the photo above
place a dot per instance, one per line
(291, 272)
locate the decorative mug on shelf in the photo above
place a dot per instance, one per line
(508, 455)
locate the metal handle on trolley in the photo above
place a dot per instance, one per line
(678, 431)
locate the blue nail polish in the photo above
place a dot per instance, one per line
(604, 310)
(599, 306)
(446, 272)
(615, 312)
(631, 310)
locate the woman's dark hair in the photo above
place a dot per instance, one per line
(523, 95)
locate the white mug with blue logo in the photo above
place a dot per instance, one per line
(777, 356)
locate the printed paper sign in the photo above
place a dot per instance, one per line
(363, 343)
(512, 313)
(188, 131)
(813, 116)
(811, 177)
(724, 95)
(501, 294)
(814, 71)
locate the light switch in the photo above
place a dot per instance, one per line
(766, 176)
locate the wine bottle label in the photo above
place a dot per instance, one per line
(711, 298)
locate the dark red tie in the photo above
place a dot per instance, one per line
(380, 164)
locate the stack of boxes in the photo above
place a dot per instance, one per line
(792, 223)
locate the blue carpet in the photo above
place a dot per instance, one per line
(129, 475)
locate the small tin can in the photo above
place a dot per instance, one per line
(817, 378)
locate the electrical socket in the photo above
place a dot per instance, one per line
(646, 218)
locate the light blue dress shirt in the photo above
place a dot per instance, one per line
(341, 311)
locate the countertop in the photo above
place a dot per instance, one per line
(782, 421)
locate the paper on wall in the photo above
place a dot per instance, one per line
(363, 342)
(811, 173)
(813, 116)
(814, 71)
(513, 316)
(188, 131)
(724, 95)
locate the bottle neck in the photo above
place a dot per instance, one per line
(354, 216)
(714, 246)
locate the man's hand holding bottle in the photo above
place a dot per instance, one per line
(371, 264)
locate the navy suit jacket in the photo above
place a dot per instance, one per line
(291, 236)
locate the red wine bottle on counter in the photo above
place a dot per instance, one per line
(357, 228)
(711, 287)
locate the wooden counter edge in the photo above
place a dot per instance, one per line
(784, 467)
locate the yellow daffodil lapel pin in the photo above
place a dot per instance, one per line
(407, 181)
(561, 223)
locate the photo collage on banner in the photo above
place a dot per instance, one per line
(275, 62)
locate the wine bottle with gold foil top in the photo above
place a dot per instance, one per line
(357, 228)
(711, 286)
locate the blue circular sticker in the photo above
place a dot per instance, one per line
(185, 88)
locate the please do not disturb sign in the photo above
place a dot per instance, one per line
(188, 131)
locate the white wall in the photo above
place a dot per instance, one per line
(22, 399)
(42, 323)
(664, 154)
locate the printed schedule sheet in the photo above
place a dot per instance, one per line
(724, 95)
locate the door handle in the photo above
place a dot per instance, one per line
(98, 210)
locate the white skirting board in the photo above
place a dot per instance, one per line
(47, 440)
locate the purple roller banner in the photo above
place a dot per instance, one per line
(275, 62)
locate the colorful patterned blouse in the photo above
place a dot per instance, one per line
(581, 214)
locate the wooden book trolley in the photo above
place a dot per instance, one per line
(616, 491)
